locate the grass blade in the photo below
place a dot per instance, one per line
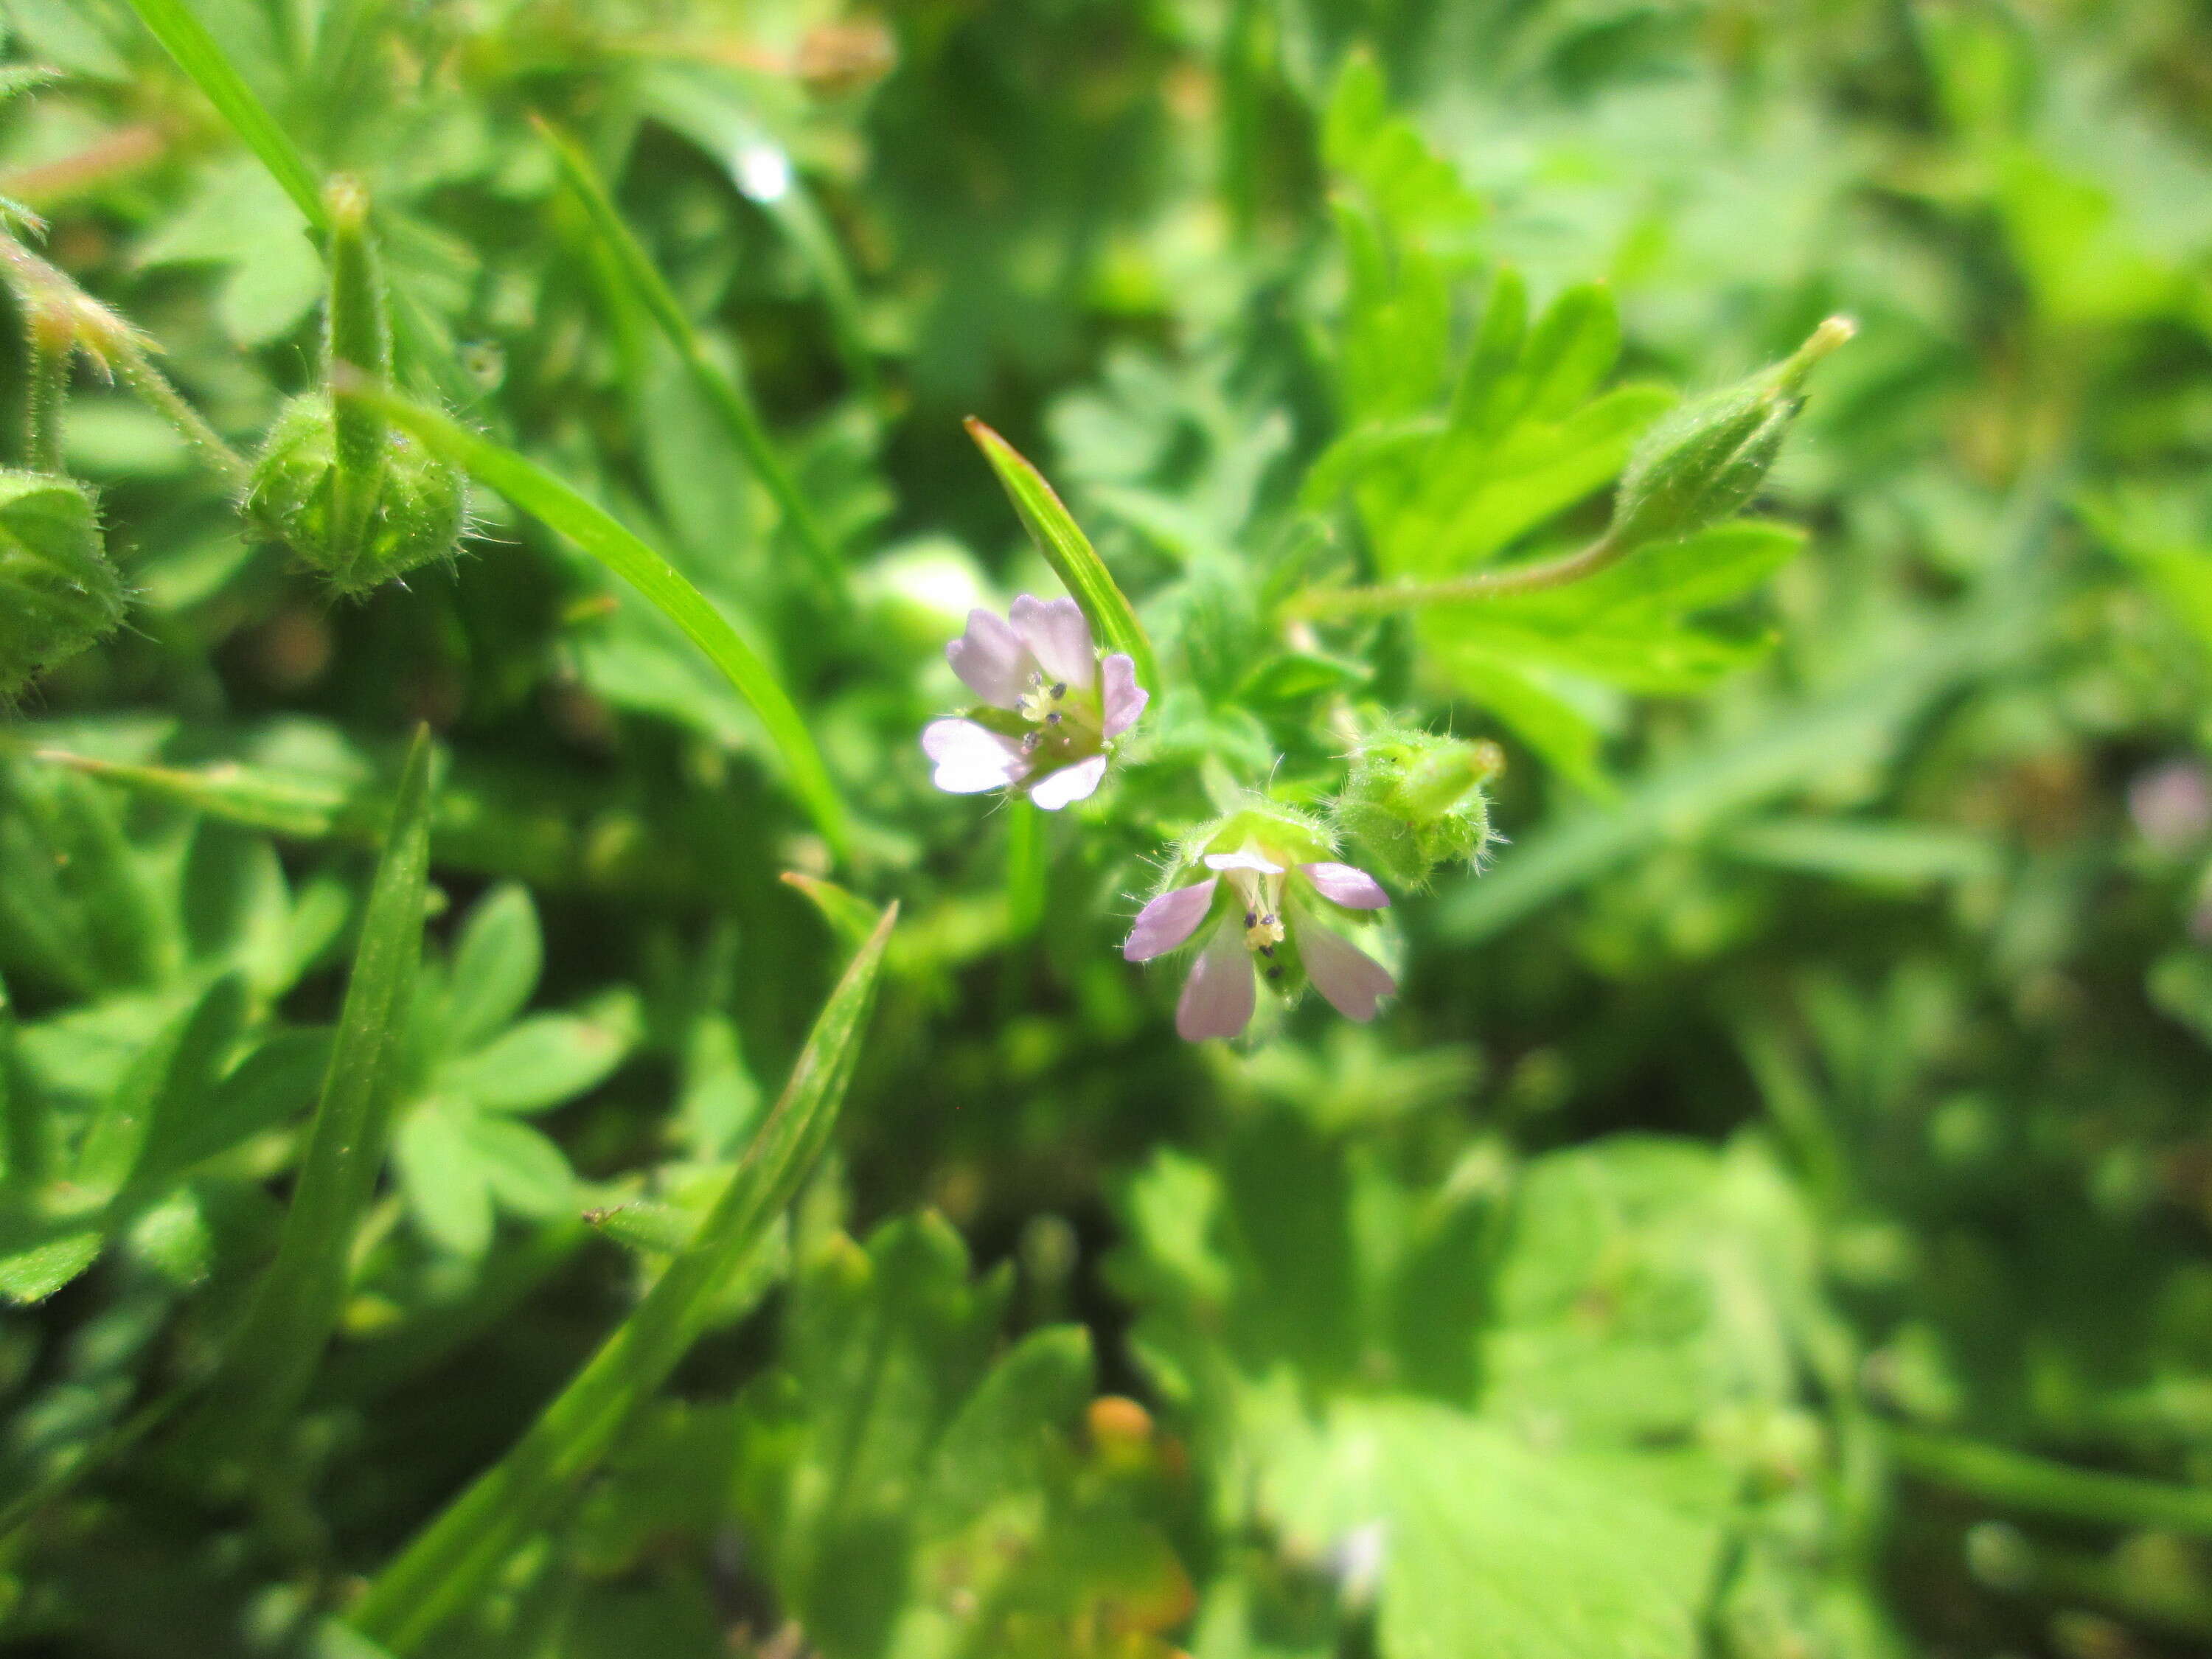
(266, 1372)
(537, 491)
(1069, 552)
(186, 39)
(449, 1562)
(650, 289)
(694, 100)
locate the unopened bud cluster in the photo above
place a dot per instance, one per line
(1415, 802)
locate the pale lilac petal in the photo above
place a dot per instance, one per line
(1070, 784)
(1350, 978)
(1242, 861)
(1343, 884)
(992, 659)
(1170, 920)
(971, 758)
(1123, 698)
(1059, 638)
(1217, 998)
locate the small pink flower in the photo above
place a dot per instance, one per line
(2171, 806)
(1274, 919)
(1050, 707)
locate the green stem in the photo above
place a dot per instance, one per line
(137, 371)
(62, 308)
(44, 399)
(29, 1136)
(2017, 1481)
(1462, 590)
(360, 338)
(1025, 869)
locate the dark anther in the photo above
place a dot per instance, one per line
(1267, 949)
(1267, 920)
(1059, 689)
(1251, 918)
(1052, 718)
(1274, 973)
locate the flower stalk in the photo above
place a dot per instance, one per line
(45, 393)
(117, 349)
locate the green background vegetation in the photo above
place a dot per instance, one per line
(1771, 1223)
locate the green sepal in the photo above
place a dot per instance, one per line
(1707, 460)
(58, 591)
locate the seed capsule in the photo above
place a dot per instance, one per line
(418, 515)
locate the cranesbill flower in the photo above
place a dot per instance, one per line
(1051, 709)
(1271, 911)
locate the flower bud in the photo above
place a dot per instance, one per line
(417, 512)
(1708, 458)
(58, 593)
(1415, 801)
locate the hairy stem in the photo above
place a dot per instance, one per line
(45, 395)
(1462, 590)
(360, 337)
(136, 370)
(48, 295)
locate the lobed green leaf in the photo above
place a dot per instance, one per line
(452, 1560)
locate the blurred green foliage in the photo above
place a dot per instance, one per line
(1772, 1221)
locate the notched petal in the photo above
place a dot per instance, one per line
(971, 758)
(1353, 980)
(1217, 998)
(1346, 884)
(1122, 699)
(1059, 638)
(991, 659)
(1169, 920)
(1069, 784)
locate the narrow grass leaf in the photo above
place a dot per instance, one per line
(266, 1372)
(451, 1561)
(179, 30)
(632, 266)
(851, 917)
(706, 109)
(537, 491)
(1069, 552)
